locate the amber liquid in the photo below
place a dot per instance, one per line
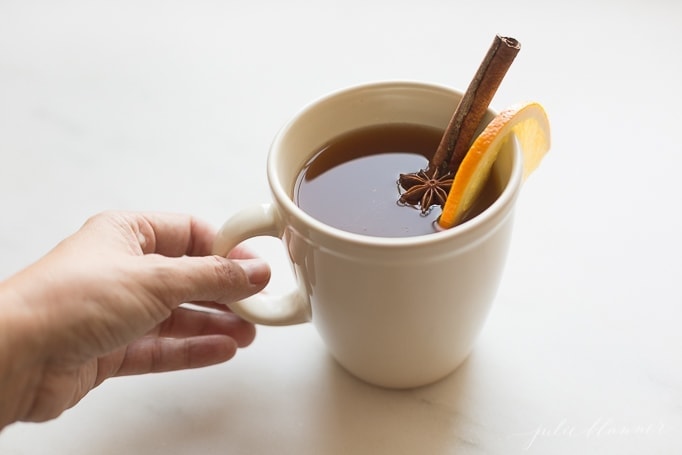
(351, 182)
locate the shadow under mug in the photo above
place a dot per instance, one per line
(395, 312)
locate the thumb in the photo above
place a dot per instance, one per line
(217, 279)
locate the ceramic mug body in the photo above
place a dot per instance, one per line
(395, 312)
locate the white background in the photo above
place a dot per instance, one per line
(171, 105)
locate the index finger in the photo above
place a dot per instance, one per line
(172, 234)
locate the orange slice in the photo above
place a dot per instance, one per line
(529, 123)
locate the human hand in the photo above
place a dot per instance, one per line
(106, 302)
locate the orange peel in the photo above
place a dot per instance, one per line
(528, 122)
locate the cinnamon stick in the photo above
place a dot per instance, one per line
(466, 119)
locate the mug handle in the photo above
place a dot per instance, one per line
(287, 309)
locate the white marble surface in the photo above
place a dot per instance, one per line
(153, 105)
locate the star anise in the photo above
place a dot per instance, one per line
(425, 188)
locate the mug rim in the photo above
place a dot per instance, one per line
(285, 201)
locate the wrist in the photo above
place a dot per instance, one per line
(18, 356)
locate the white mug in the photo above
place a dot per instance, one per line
(395, 312)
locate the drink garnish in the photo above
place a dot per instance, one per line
(461, 129)
(426, 188)
(527, 122)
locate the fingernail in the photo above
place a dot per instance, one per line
(257, 270)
